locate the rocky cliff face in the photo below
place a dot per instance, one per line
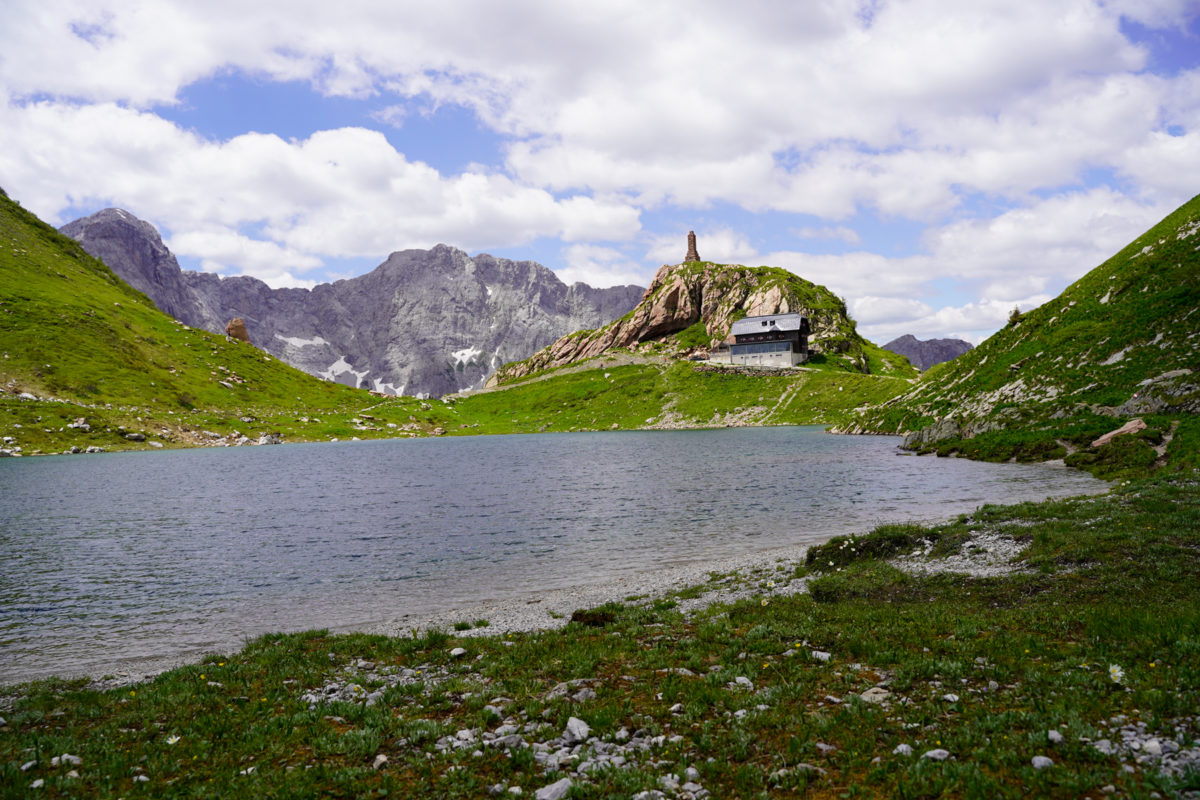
(424, 322)
(691, 307)
(924, 354)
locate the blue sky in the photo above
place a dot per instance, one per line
(933, 162)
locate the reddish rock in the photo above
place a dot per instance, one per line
(1133, 426)
(237, 329)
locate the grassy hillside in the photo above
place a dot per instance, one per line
(1121, 342)
(77, 342)
(604, 393)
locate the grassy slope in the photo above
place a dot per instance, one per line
(71, 331)
(90, 346)
(670, 394)
(1133, 318)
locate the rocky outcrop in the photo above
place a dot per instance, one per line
(237, 330)
(424, 322)
(924, 354)
(712, 297)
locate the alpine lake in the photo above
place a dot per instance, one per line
(117, 560)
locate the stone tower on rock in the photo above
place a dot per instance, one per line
(692, 254)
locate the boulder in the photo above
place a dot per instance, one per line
(1133, 426)
(237, 329)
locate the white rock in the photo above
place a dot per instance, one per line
(875, 694)
(555, 791)
(950, 697)
(39, 783)
(380, 760)
(458, 652)
(1054, 736)
(1152, 747)
(1041, 762)
(903, 750)
(937, 755)
(820, 655)
(577, 731)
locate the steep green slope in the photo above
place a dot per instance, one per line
(77, 342)
(1123, 341)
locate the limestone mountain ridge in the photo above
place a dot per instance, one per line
(689, 308)
(424, 322)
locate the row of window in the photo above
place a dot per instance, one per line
(766, 347)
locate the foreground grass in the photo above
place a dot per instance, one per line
(983, 668)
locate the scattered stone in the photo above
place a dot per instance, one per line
(903, 750)
(826, 749)
(458, 652)
(875, 694)
(937, 755)
(39, 783)
(555, 791)
(1054, 736)
(136, 437)
(380, 761)
(1041, 762)
(577, 731)
(28, 765)
(820, 655)
(950, 697)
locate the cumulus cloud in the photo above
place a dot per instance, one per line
(340, 193)
(601, 267)
(1029, 137)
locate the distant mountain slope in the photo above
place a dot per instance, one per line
(70, 329)
(1123, 340)
(690, 308)
(425, 322)
(925, 354)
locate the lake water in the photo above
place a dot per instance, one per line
(126, 556)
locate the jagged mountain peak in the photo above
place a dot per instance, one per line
(424, 322)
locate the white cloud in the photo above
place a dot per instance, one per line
(840, 233)
(601, 267)
(611, 114)
(340, 193)
(720, 245)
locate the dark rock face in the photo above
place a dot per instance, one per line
(424, 322)
(924, 354)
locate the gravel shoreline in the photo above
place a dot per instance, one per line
(739, 577)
